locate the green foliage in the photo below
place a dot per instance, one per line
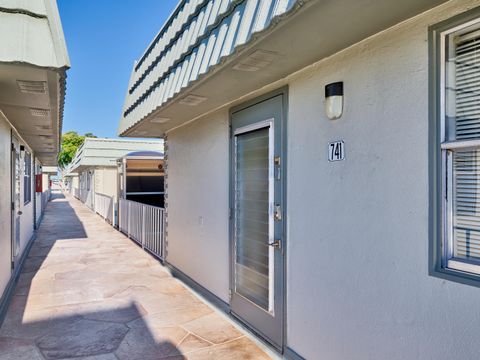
(71, 141)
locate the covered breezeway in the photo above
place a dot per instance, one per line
(86, 290)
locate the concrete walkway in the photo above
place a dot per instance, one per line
(88, 292)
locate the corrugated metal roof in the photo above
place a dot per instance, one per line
(198, 35)
(105, 152)
(33, 6)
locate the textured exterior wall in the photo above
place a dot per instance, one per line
(45, 182)
(106, 181)
(358, 283)
(27, 217)
(5, 213)
(357, 243)
(198, 202)
(75, 183)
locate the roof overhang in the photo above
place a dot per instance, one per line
(32, 100)
(310, 31)
(33, 65)
(94, 164)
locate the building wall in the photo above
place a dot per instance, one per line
(5, 212)
(358, 283)
(73, 184)
(106, 181)
(45, 182)
(27, 218)
(357, 240)
(198, 202)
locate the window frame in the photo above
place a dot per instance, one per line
(441, 261)
(27, 178)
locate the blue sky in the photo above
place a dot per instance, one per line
(104, 37)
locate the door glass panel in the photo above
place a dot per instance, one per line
(253, 226)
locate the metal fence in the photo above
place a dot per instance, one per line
(104, 206)
(144, 224)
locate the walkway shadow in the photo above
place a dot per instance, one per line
(75, 332)
(36, 327)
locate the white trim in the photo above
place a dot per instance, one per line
(271, 219)
(269, 123)
(461, 265)
(255, 126)
(463, 144)
(448, 180)
(460, 27)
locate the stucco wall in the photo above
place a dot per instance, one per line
(358, 283)
(198, 202)
(73, 184)
(27, 217)
(5, 217)
(45, 182)
(357, 243)
(106, 181)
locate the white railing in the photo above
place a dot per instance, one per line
(144, 224)
(104, 206)
(45, 198)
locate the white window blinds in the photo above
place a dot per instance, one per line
(467, 86)
(462, 130)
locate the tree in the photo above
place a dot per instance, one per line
(71, 141)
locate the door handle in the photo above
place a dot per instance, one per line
(19, 213)
(277, 244)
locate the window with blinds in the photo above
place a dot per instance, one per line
(461, 148)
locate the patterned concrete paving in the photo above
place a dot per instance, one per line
(87, 292)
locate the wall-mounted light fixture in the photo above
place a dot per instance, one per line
(334, 100)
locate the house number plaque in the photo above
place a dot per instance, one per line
(336, 151)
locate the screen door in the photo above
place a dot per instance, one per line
(257, 194)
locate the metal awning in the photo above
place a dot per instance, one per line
(249, 45)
